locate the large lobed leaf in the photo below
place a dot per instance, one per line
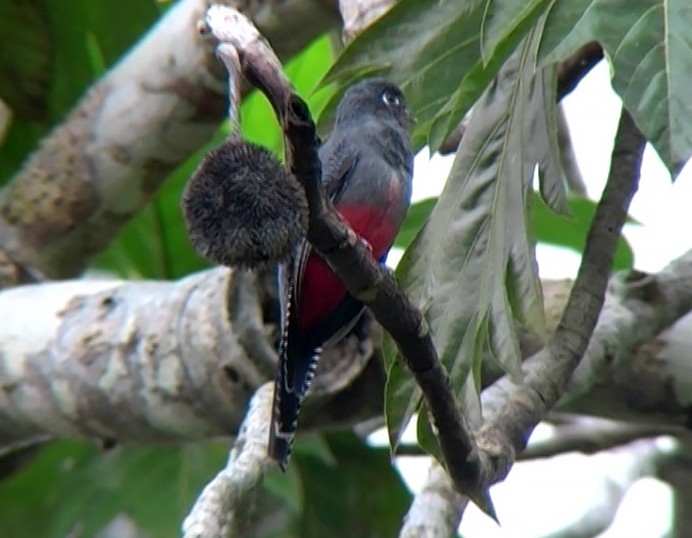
(432, 48)
(567, 231)
(472, 268)
(649, 45)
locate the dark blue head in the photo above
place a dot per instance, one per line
(374, 97)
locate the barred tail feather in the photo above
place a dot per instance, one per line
(284, 422)
(294, 377)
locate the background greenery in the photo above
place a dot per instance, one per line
(444, 54)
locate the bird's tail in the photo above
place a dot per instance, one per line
(283, 426)
(297, 364)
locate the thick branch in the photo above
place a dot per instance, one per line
(359, 14)
(141, 121)
(152, 362)
(576, 66)
(632, 370)
(368, 282)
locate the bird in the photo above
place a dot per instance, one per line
(367, 171)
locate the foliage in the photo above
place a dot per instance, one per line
(471, 268)
(470, 263)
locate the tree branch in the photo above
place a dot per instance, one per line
(222, 508)
(436, 510)
(617, 378)
(590, 435)
(150, 362)
(359, 14)
(345, 253)
(513, 416)
(576, 66)
(98, 168)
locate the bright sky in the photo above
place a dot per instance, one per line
(539, 498)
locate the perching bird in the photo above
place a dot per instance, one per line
(367, 167)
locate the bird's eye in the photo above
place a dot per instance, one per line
(390, 99)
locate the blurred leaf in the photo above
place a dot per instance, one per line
(315, 446)
(73, 485)
(648, 43)
(571, 232)
(29, 498)
(362, 495)
(287, 488)
(432, 48)
(85, 38)
(415, 219)
(403, 397)
(26, 58)
(72, 482)
(472, 268)
(116, 25)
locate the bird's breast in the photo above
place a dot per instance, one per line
(322, 291)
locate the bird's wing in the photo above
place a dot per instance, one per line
(338, 164)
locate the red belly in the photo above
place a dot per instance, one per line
(321, 289)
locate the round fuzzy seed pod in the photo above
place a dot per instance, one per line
(243, 208)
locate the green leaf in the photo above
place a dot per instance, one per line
(502, 19)
(417, 214)
(73, 485)
(432, 49)
(473, 267)
(571, 232)
(85, 39)
(427, 438)
(648, 44)
(287, 488)
(361, 495)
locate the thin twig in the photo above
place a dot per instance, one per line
(590, 435)
(346, 254)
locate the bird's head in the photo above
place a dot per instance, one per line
(374, 96)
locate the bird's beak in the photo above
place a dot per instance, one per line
(409, 118)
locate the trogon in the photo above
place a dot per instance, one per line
(367, 168)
